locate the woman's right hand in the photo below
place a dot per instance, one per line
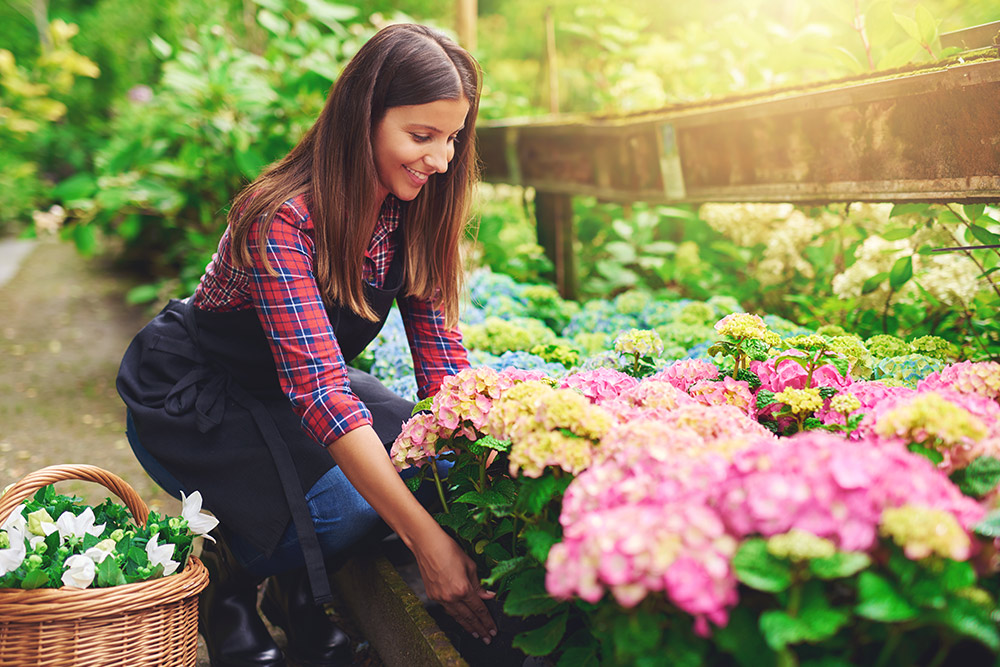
(450, 578)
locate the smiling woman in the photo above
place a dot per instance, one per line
(410, 145)
(243, 392)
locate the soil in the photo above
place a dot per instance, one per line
(64, 326)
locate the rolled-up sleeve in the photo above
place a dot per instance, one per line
(437, 350)
(311, 367)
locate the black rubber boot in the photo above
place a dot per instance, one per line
(313, 639)
(234, 632)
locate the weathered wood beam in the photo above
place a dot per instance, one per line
(929, 136)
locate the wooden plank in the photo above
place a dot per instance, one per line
(973, 38)
(556, 233)
(931, 135)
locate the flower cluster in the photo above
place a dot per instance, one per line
(744, 326)
(639, 342)
(670, 519)
(686, 372)
(967, 377)
(599, 385)
(73, 549)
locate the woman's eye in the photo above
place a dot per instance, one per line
(420, 138)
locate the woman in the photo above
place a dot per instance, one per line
(243, 392)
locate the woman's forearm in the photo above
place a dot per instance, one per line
(361, 456)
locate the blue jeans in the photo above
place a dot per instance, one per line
(342, 517)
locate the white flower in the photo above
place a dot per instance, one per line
(16, 520)
(160, 555)
(199, 522)
(80, 573)
(12, 557)
(101, 550)
(70, 525)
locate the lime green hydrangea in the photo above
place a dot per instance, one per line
(640, 342)
(559, 353)
(684, 334)
(923, 532)
(798, 545)
(801, 401)
(591, 342)
(831, 330)
(631, 303)
(934, 347)
(746, 326)
(932, 420)
(696, 312)
(809, 343)
(497, 335)
(845, 403)
(883, 346)
(855, 351)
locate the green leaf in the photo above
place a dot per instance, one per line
(250, 161)
(933, 455)
(990, 525)
(742, 640)
(579, 656)
(142, 294)
(160, 47)
(814, 621)
(494, 443)
(539, 543)
(109, 574)
(423, 405)
(528, 595)
(272, 22)
(841, 564)
(880, 601)
(756, 568)
(983, 235)
(970, 619)
(973, 211)
(85, 239)
(899, 234)
(78, 186)
(902, 270)
(543, 640)
(872, 283)
(413, 483)
(536, 493)
(504, 569)
(907, 209)
(34, 579)
(979, 477)
(927, 25)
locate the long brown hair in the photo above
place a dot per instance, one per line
(334, 166)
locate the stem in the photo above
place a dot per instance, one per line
(885, 311)
(440, 489)
(889, 647)
(794, 600)
(482, 474)
(513, 537)
(859, 26)
(942, 653)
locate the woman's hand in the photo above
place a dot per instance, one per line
(449, 575)
(450, 578)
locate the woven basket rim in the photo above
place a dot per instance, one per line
(66, 604)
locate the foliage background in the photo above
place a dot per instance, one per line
(158, 112)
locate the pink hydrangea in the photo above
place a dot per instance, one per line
(790, 374)
(463, 402)
(599, 385)
(833, 488)
(725, 392)
(870, 394)
(684, 373)
(519, 375)
(715, 422)
(416, 443)
(967, 377)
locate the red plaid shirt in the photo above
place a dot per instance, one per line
(311, 367)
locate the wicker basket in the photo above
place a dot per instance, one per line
(146, 623)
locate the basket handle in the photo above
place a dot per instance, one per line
(87, 473)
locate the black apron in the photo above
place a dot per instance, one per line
(205, 398)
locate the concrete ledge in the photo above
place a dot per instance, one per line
(390, 615)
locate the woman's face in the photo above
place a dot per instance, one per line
(412, 143)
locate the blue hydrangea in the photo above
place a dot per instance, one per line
(785, 328)
(599, 316)
(907, 368)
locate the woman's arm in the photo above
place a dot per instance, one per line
(449, 575)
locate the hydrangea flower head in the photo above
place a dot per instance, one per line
(883, 346)
(923, 531)
(798, 545)
(967, 377)
(929, 418)
(417, 442)
(684, 373)
(599, 385)
(746, 326)
(907, 368)
(801, 401)
(639, 342)
(724, 392)
(464, 400)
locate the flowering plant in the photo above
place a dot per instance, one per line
(53, 540)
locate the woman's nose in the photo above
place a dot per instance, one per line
(438, 156)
